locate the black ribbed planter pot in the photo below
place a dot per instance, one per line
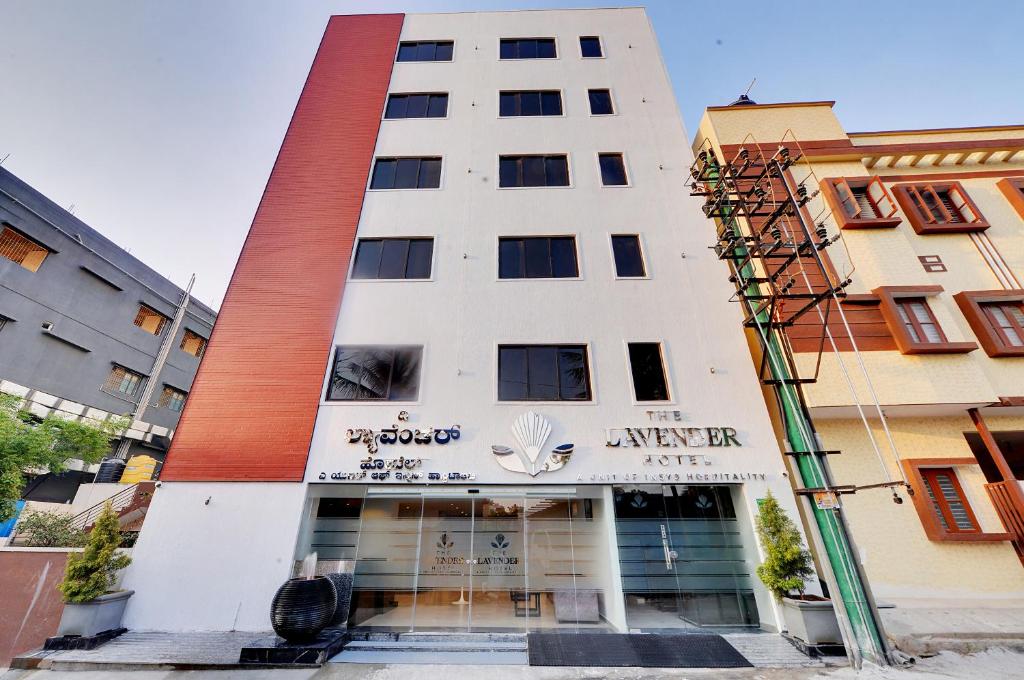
(303, 607)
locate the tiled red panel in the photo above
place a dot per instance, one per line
(251, 410)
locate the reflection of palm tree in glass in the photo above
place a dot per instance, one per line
(366, 373)
(573, 366)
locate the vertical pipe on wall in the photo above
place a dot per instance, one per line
(862, 628)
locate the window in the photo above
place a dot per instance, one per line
(530, 103)
(997, 319)
(860, 202)
(432, 105)
(1008, 320)
(21, 249)
(193, 343)
(613, 169)
(629, 260)
(1013, 189)
(537, 258)
(426, 50)
(406, 173)
(912, 323)
(171, 399)
(543, 373)
(919, 321)
(375, 373)
(533, 171)
(122, 382)
(948, 501)
(590, 46)
(527, 48)
(600, 102)
(150, 320)
(648, 371)
(393, 258)
(939, 208)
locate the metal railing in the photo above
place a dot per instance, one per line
(120, 501)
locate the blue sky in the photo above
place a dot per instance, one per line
(159, 121)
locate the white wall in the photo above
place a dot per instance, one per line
(215, 566)
(464, 312)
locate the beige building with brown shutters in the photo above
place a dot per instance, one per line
(930, 228)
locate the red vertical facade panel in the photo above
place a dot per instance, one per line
(251, 411)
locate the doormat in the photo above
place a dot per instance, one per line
(692, 650)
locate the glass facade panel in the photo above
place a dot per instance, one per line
(457, 561)
(387, 562)
(682, 558)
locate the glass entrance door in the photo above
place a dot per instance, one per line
(502, 560)
(682, 557)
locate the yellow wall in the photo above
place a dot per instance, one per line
(924, 396)
(901, 562)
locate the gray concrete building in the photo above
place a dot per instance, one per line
(82, 323)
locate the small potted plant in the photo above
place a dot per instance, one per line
(91, 606)
(809, 618)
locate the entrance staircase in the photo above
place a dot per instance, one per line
(436, 648)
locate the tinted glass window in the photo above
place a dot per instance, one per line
(367, 265)
(551, 103)
(533, 171)
(563, 258)
(420, 252)
(590, 46)
(438, 107)
(530, 103)
(527, 48)
(417, 106)
(613, 169)
(444, 51)
(406, 173)
(426, 50)
(375, 373)
(537, 257)
(546, 48)
(408, 169)
(397, 106)
(600, 102)
(543, 373)
(508, 172)
(629, 260)
(648, 373)
(393, 258)
(407, 52)
(392, 261)
(384, 173)
(430, 173)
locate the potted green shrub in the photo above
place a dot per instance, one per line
(809, 618)
(91, 607)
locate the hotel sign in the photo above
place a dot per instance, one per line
(671, 437)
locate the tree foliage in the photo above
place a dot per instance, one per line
(92, 572)
(49, 530)
(30, 443)
(786, 562)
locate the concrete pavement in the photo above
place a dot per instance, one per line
(996, 664)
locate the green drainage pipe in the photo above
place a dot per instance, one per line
(865, 640)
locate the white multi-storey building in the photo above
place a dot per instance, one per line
(475, 342)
